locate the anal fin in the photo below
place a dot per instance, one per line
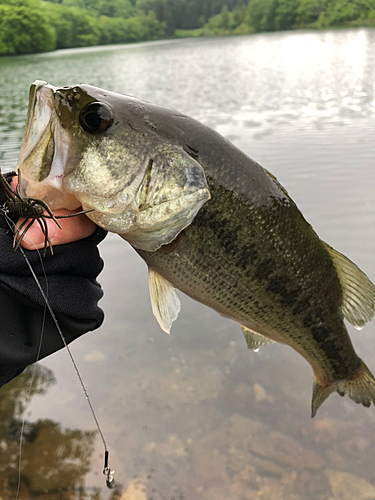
(253, 339)
(320, 394)
(164, 300)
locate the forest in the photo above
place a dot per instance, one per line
(31, 26)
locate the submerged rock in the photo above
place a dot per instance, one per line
(285, 450)
(346, 486)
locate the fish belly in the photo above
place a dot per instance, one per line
(267, 270)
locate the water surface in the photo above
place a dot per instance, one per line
(196, 415)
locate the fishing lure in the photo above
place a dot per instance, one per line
(17, 206)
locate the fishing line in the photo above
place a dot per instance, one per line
(110, 481)
(11, 225)
(28, 400)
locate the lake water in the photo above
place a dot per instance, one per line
(196, 415)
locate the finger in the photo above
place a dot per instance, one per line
(13, 182)
(73, 229)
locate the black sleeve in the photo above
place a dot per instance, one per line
(68, 278)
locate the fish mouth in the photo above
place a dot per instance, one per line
(38, 142)
(53, 197)
(44, 151)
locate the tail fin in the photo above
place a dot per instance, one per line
(360, 388)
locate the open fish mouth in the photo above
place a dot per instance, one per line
(44, 151)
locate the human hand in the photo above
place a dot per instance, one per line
(73, 228)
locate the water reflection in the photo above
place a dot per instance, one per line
(54, 460)
(195, 415)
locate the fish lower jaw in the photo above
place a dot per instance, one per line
(115, 223)
(54, 198)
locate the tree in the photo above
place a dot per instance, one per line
(286, 14)
(224, 14)
(262, 14)
(341, 12)
(73, 26)
(152, 28)
(309, 11)
(53, 458)
(162, 12)
(25, 29)
(115, 8)
(112, 30)
(238, 16)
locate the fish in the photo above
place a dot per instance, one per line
(207, 219)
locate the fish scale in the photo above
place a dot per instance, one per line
(207, 219)
(252, 291)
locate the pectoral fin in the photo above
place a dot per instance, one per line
(254, 340)
(164, 300)
(358, 293)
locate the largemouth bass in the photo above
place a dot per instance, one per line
(207, 219)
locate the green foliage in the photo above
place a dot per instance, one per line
(276, 15)
(244, 29)
(40, 25)
(340, 12)
(112, 30)
(238, 17)
(157, 6)
(31, 4)
(286, 14)
(273, 15)
(73, 26)
(262, 14)
(115, 8)
(24, 29)
(191, 14)
(134, 29)
(308, 11)
(112, 8)
(224, 17)
(226, 21)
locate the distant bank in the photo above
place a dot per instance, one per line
(31, 26)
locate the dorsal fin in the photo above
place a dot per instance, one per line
(164, 300)
(358, 293)
(253, 339)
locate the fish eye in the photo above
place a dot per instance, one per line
(96, 117)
